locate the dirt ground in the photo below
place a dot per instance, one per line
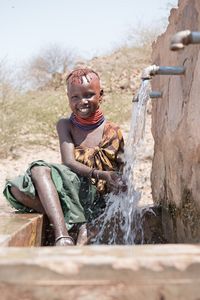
(11, 167)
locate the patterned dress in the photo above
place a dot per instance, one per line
(107, 156)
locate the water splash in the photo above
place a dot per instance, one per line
(121, 220)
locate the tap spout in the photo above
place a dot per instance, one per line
(135, 99)
(149, 71)
(183, 38)
(161, 70)
(155, 94)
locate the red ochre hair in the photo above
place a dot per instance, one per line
(76, 76)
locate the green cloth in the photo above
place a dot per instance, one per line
(80, 200)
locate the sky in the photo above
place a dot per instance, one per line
(87, 27)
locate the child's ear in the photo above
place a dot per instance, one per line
(101, 95)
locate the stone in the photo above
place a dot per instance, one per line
(20, 230)
(175, 127)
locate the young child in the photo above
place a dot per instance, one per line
(91, 147)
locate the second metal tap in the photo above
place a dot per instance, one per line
(161, 70)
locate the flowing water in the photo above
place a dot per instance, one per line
(121, 220)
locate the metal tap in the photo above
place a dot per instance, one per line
(155, 94)
(183, 38)
(161, 70)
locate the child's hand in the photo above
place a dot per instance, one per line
(114, 182)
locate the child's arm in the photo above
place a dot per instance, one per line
(67, 149)
(68, 159)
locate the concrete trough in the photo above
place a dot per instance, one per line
(21, 230)
(162, 272)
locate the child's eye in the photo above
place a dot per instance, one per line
(89, 95)
(74, 98)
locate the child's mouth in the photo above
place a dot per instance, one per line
(84, 110)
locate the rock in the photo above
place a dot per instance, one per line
(175, 127)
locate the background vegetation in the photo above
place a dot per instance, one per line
(32, 101)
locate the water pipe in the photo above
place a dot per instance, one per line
(183, 38)
(155, 94)
(161, 70)
(152, 95)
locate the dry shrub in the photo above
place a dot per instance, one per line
(30, 118)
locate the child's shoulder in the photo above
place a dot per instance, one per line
(64, 120)
(63, 123)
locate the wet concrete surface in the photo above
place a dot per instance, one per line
(20, 230)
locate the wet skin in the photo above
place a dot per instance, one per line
(84, 99)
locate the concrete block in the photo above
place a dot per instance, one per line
(153, 272)
(20, 230)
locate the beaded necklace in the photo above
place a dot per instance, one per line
(90, 123)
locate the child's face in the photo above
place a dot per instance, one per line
(84, 97)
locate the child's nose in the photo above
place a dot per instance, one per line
(84, 100)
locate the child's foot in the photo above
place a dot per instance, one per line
(82, 235)
(64, 241)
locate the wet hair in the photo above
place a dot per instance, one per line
(78, 75)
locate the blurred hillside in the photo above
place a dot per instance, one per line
(120, 71)
(29, 118)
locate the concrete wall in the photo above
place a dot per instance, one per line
(153, 272)
(176, 130)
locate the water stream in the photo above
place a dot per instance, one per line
(121, 220)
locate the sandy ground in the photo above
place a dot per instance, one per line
(11, 167)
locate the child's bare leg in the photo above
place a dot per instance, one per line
(86, 233)
(50, 201)
(27, 201)
(82, 235)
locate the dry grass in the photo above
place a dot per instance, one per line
(30, 118)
